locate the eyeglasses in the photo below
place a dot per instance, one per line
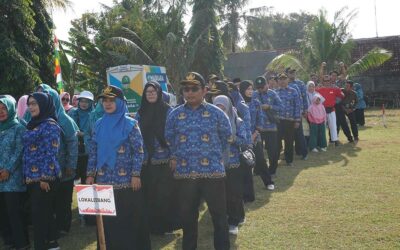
(151, 92)
(65, 99)
(193, 89)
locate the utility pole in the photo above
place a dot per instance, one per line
(376, 20)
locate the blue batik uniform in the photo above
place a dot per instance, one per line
(239, 140)
(302, 90)
(197, 140)
(41, 147)
(161, 154)
(243, 112)
(259, 118)
(11, 145)
(128, 162)
(291, 108)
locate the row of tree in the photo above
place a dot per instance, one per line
(153, 32)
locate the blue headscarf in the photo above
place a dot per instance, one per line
(67, 124)
(12, 118)
(46, 107)
(111, 131)
(83, 116)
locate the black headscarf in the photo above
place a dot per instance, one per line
(46, 107)
(242, 88)
(152, 118)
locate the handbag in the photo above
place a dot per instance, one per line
(247, 157)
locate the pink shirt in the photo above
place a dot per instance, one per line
(316, 112)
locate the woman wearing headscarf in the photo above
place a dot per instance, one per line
(246, 90)
(67, 158)
(21, 106)
(12, 186)
(115, 158)
(158, 181)
(234, 173)
(81, 116)
(41, 169)
(65, 100)
(75, 101)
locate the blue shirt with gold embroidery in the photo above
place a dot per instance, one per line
(291, 109)
(239, 140)
(302, 90)
(197, 139)
(259, 118)
(128, 164)
(161, 154)
(41, 147)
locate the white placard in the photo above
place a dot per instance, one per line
(96, 199)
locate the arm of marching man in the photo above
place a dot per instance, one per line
(136, 142)
(170, 133)
(224, 130)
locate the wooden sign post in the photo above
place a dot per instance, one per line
(96, 200)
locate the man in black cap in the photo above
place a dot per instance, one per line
(264, 107)
(198, 134)
(300, 140)
(211, 80)
(289, 115)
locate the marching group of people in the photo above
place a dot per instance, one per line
(166, 160)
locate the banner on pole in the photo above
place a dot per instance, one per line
(96, 199)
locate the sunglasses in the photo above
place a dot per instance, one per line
(193, 89)
(65, 99)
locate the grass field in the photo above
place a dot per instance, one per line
(346, 198)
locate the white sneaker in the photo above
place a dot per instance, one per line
(233, 230)
(323, 149)
(315, 150)
(242, 222)
(271, 187)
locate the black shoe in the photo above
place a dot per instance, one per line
(337, 143)
(53, 245)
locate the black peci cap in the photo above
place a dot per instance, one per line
(193, 78)
(260, 81)
(112, 92)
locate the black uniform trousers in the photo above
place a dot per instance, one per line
(213, 191)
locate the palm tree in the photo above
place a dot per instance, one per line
(330, 43)
(58, 4)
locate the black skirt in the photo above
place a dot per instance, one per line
(128, 230)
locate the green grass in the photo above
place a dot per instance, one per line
(346, 198)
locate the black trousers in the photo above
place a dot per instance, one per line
(341, 122)
(248, 184)
(300, 141)
(286, 132)
(159, 187)
(14, 228)
(234, 195)
(353, 124)
(43, 220)
(63, 202)
(261, 167)
(270, 139)
(360, 117)
(191, 192)
(82, 167)
(129, 229)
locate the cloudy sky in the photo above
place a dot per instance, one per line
(363, 25)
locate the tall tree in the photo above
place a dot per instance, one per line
(231, 19)
(269, 30)
(330, 43)
(205, 54)
(19, 70)
(43, 31)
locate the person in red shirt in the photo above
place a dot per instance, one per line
(330, 94)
